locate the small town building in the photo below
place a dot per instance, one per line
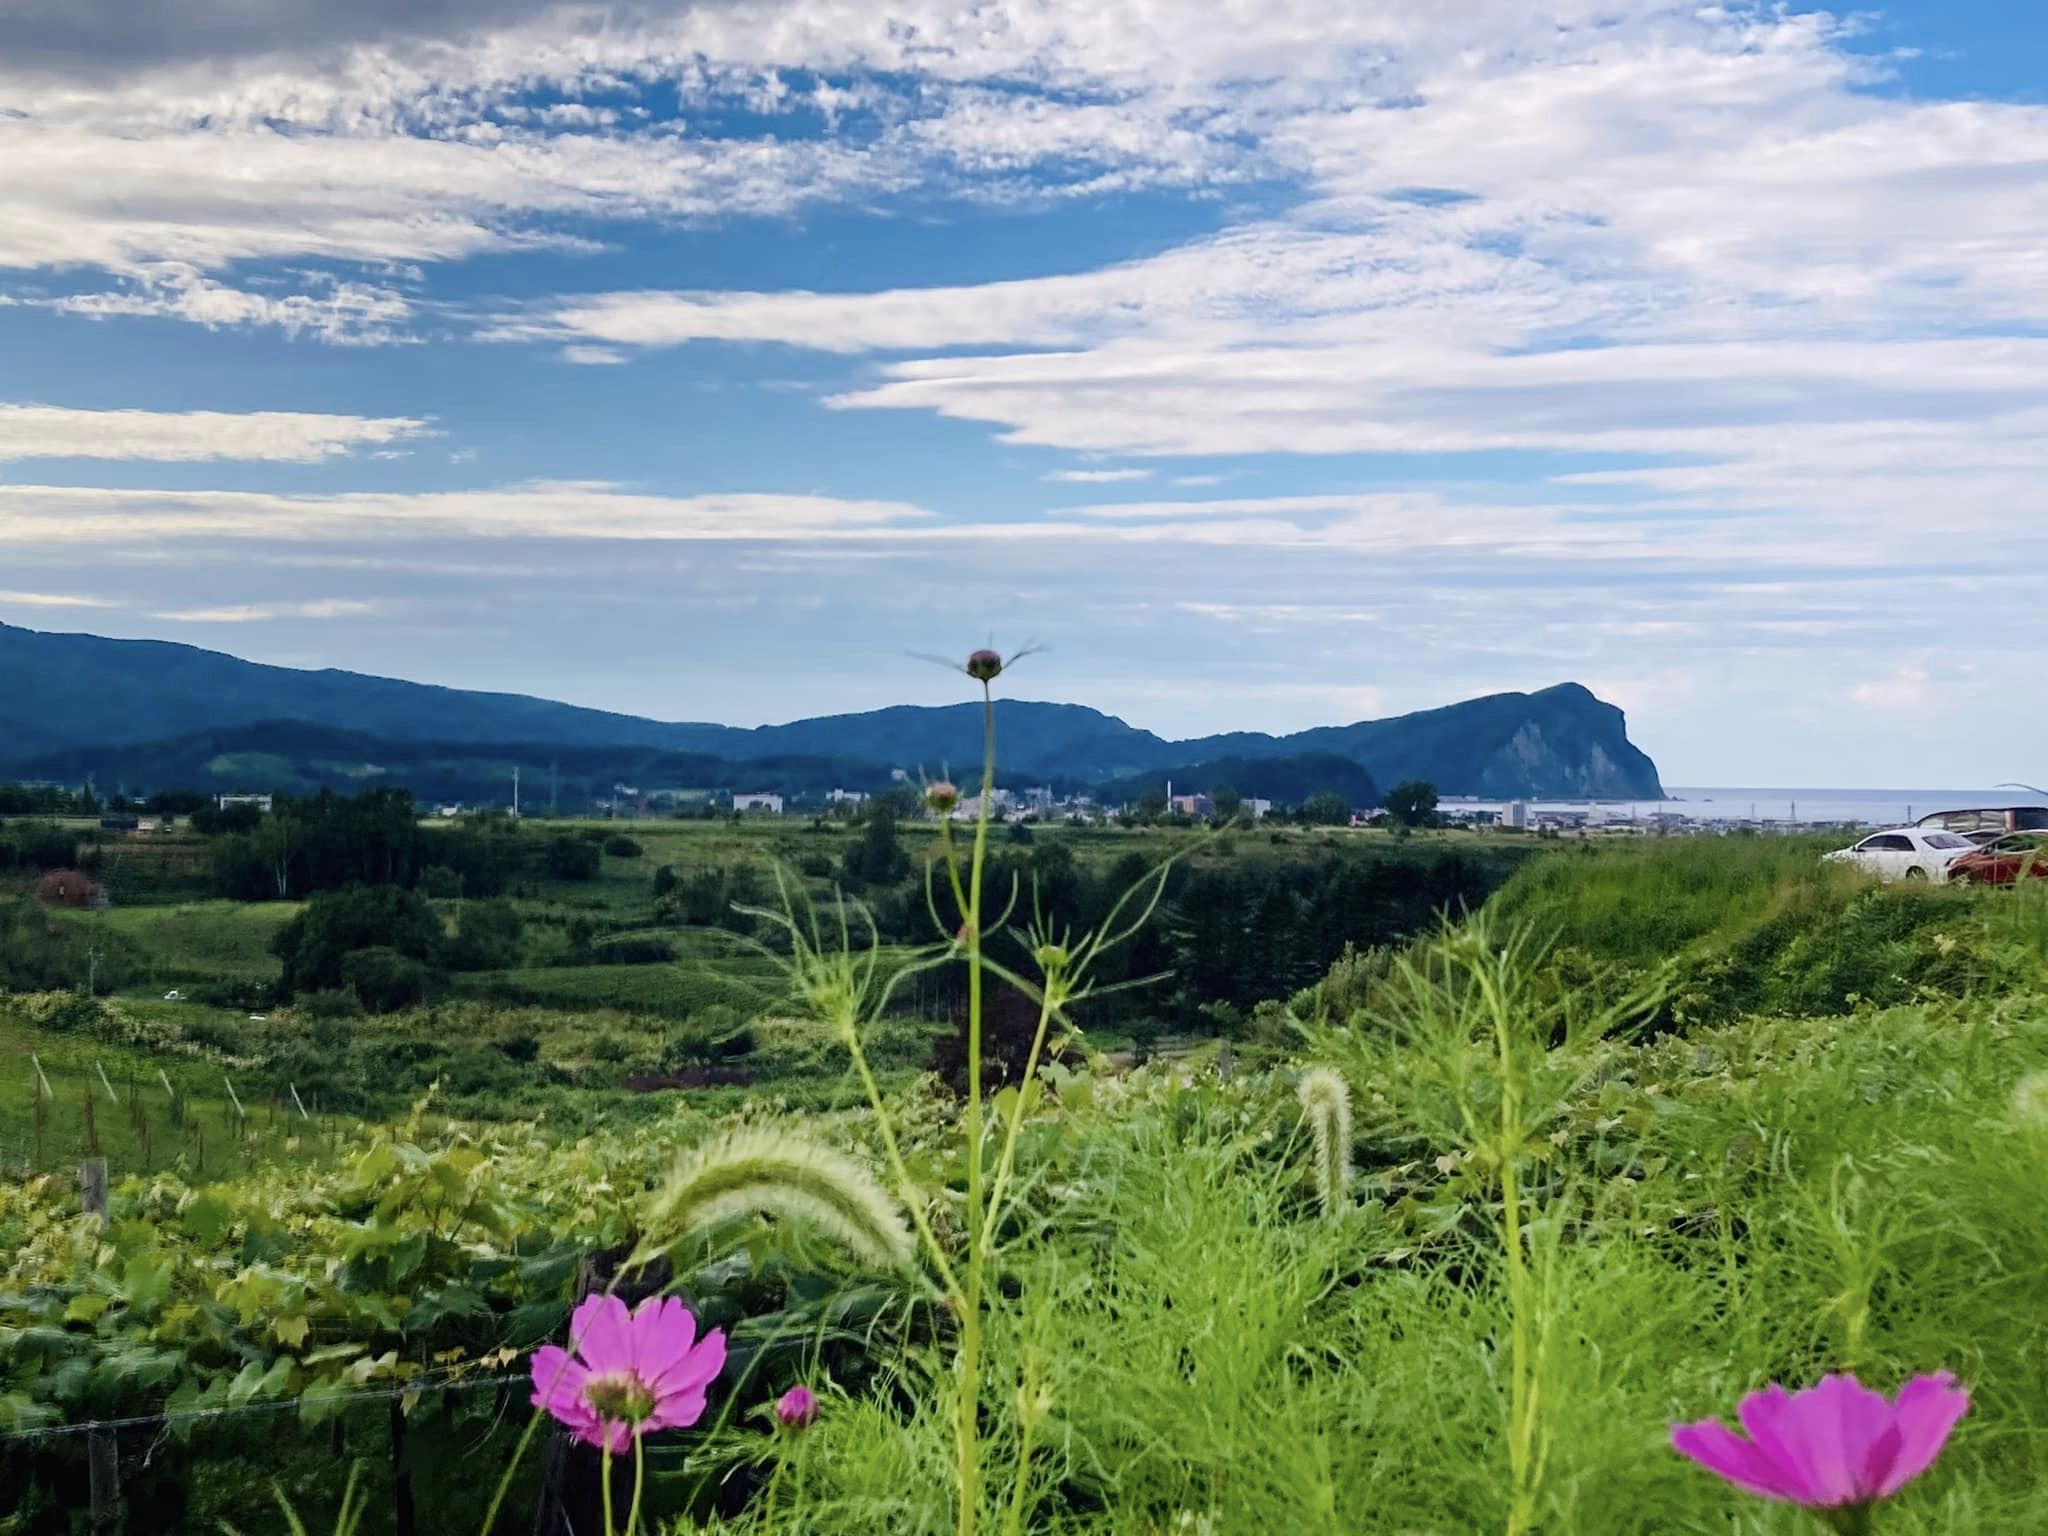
(760, 801)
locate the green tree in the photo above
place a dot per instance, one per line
(1412, 803)
(439, 882)
(572, 858)
(878, 857)
(1326, 808)
(337, 924)
(488, 939)
(384, 981)
(1227, 800)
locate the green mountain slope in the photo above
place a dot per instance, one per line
(83, 704)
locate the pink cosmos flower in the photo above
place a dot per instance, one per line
(631, 1373)
(1837, 1446)
(797, 1408)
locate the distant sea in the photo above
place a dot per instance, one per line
(1867, 807)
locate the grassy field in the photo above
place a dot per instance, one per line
(197, 941)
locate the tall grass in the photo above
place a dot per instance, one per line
(1571, 1237)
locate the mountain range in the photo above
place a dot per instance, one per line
(147, 713)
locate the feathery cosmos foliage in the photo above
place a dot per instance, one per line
(786, 1176)
(1326, 1101)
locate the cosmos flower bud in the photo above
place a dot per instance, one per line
(797, 1408)
(942, 796)
(1052, 957)
(984, 666)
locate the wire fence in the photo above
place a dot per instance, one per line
(54, 1115)
(174, 1417)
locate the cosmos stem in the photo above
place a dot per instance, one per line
(639, 1483)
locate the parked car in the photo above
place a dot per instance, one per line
(2007, 861)
(1906, 853)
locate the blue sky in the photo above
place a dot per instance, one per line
(1272, 364)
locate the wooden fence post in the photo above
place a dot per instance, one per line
(102, 1450)
(403, 1519)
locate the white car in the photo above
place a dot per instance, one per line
(1906, 853)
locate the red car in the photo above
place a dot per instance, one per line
(2004, 861)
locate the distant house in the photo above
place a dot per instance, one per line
(1258, 810)
(1199, 806)
(846, 797)
(261, 802)
(764, 801)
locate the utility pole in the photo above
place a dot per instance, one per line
(92, 974)
(515, 792)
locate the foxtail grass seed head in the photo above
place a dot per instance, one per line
(942, 797)
(789, 1177)
(1326, 1102)
(2030, 1101)
(985, 666)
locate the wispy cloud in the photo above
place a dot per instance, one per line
(57, 432)
(1096, 476)
(56, 516)
(259, 613)
(51, 600)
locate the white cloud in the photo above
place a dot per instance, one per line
(1278, 615)
(166, 153)
(1096, 476)
(57, 432)
(260, 613)
(57, 516)
(340, 313)
(51, 600)
(1690, 235)
(588, 356)
(1917, 687)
